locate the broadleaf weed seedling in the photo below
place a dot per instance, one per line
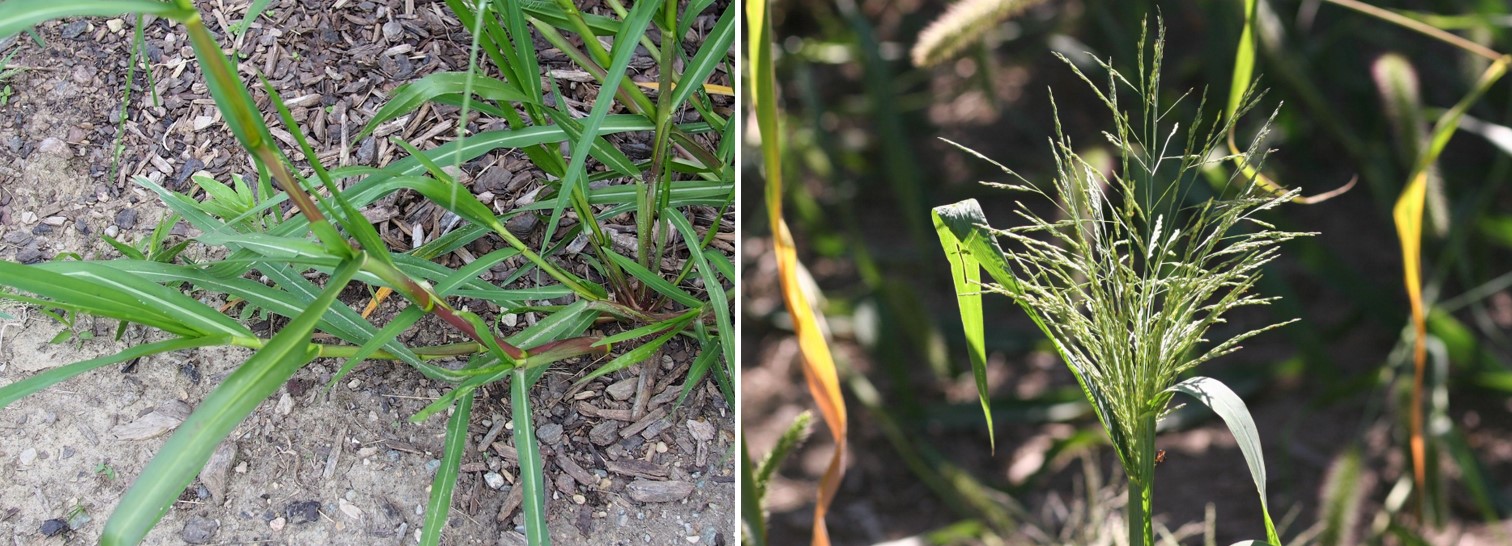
(1133, 275)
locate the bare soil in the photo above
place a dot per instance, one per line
(310, 466)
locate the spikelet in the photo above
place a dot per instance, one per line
(963, 23)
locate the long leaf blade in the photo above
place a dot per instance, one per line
(445, 481)
(531, 470)
(181, 458)
(1214, 394)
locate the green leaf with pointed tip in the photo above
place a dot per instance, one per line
(185, 453)
(408, 97)
(445, 481)
(88, 295)
(21, 389)
(717, 297)
(1236, 415)
(653, 280)
(710, 55)
(606, 153)
(533, 501)
(644, 351)
(624, 48)
(969, 244)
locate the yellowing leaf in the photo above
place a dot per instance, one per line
(818, 366)
(711, 88)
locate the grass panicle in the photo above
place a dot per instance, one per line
(1131, 274)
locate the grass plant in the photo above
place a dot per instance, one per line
(155, 286)
(1132, 277)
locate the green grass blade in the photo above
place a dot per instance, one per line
(455, 198)
(603, 151)
(349, 217)
(531, 470)
(349, 327)
(653, 280)
(445, 481)
(624, 48)
(408, 97)
(157, 298)
(709, 193)
(280, 249)
(638, 354)
(254, 10)
(966, 273)
(185, 453)
(19, 15)
(401, 322)
(86, 296)
(713, 51)
(25, 387)
(1214, 394)
(570, 321)
(717, 297)
(700, 368)
(1244, 62)
(649, 329)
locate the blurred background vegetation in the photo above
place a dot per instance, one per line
(1356, 97)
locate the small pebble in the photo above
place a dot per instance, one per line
(392, 30)
(53, 146)
(278, 523)
(28, 455)
(75, 29)
(29, 254)
(127, 218)
(199, 530)
(54, 527)
(549, 433)
(366, 150)
(623, 389)
(303, 511)
(494, 480)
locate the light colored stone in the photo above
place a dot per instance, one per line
(217, 471)
(167, 416)
(28, 455)
(351, 510)
(494, 480)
